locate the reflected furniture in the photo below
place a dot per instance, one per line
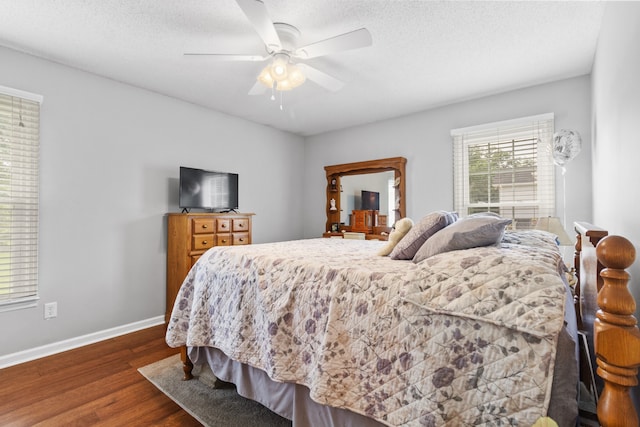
(363, 220)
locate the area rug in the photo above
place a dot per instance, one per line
(211, 407)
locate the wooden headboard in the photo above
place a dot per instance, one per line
(605, 310)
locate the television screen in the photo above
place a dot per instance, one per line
(217, 191)
(370, 200)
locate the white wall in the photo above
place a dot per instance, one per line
(616, 142)
(109, 161)
(424, 139)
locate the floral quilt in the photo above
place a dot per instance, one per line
(463, 338)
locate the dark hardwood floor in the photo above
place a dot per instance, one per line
(91, 386)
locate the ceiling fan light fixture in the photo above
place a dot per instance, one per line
(296, 76)
(283, 85)
(289, 76)
(279, 67)
(265, 77)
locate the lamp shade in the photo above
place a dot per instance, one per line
(296, 76)
(279, 69)
(265, 77)
(553, 225)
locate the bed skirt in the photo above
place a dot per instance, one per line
(288, 400)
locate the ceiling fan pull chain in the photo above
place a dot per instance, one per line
(280, 100)
(273, 90)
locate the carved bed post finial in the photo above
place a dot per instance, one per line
(615, 328)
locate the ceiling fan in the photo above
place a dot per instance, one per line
(284, 72)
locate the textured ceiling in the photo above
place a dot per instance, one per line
(424, 53)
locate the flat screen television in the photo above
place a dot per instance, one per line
(211, 190)
(370, 200)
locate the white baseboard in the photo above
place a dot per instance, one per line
(60, 346)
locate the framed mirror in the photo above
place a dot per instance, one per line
(348, 184)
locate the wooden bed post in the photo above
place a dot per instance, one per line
(616, 335)
(577, 291)
(187, 365)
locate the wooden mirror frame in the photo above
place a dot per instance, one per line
(335, 172)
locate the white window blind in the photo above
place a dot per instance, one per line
(506, 168)
(19, 182)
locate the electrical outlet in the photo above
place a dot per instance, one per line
(50, 310)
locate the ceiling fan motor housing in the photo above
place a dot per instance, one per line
(288, 35)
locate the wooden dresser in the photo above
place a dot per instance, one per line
(189, 235)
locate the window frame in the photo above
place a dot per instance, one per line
(30, 106)
(537, 129)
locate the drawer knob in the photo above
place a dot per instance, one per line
(224, 241)
(205, 226)
(204, 242)
(224, 225)
(241, 239)
(240, 225)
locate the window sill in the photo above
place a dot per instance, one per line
(30, 302)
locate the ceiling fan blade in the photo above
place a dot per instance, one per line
(229, 57)
(257, 89)
(256, 12)
(347, 41)
(322, 79)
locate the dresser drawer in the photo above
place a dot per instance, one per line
(201, 242)
(223, 225)
(240, 224)
(194, 259)
(223, 239)
(202, 225)
(240, 239)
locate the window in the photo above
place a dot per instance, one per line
(19, 176)
(506, 168)
(391, 202)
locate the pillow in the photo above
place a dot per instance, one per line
(427, 227)
(488, 213)
(400, 228)
(469, 232)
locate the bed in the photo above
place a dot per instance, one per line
(326, 332)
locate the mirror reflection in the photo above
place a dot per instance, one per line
(347, 184)
(372, 191)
